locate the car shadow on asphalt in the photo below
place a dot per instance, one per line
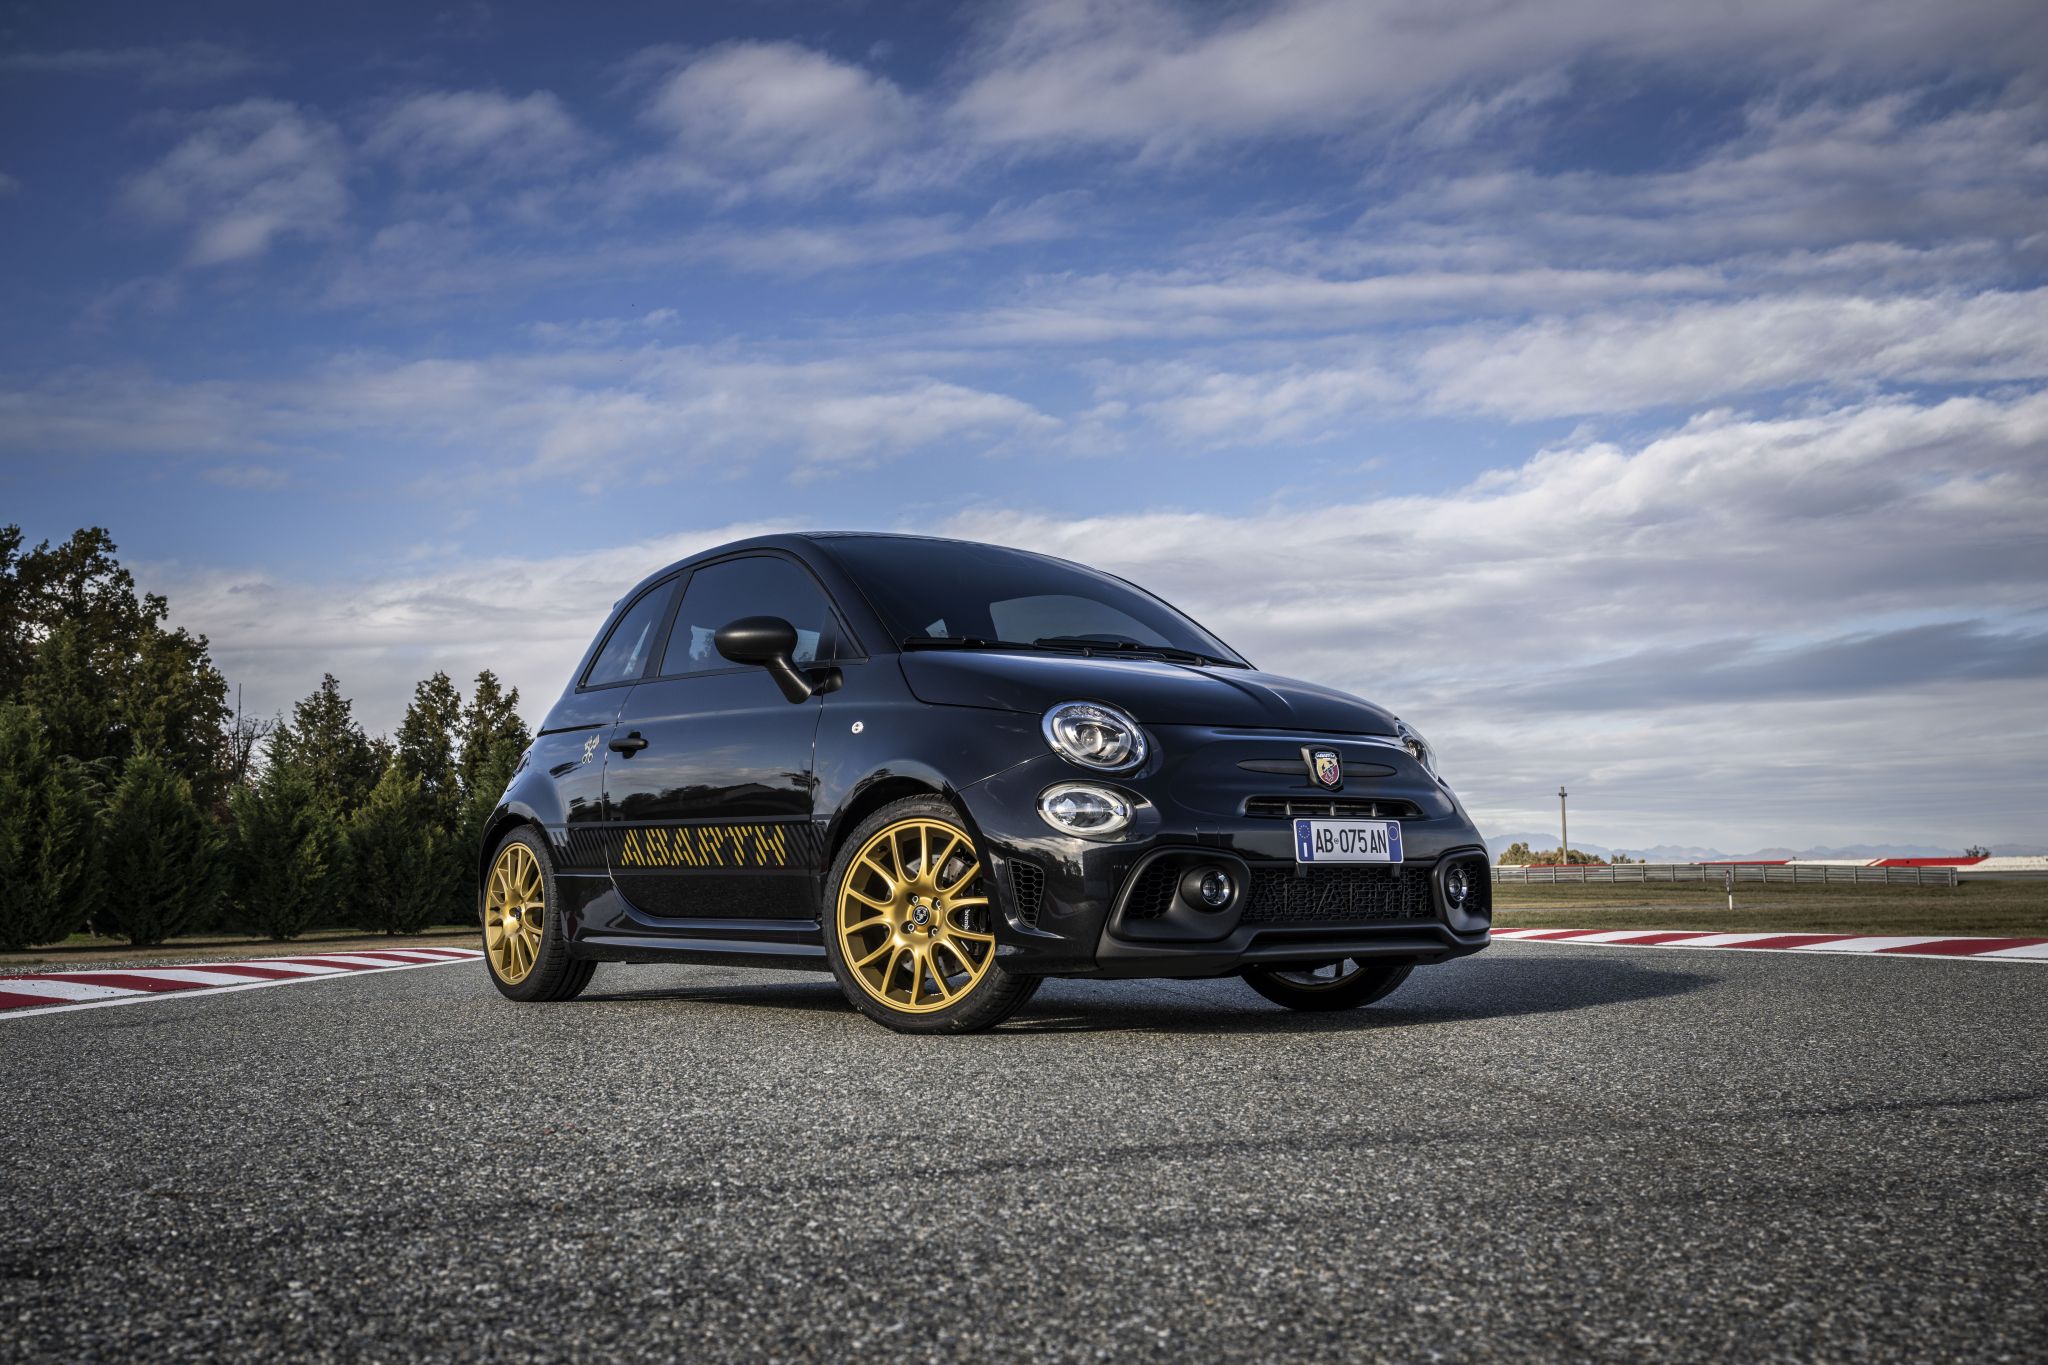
(813, 992)
(1471, 989)
(1458, 992)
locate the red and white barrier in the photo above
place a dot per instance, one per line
(1887, 945)
(45, 992)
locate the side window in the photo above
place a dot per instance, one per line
(624, 656)
(756, 586)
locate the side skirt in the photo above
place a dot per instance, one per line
(789, 944)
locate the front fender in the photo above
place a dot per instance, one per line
(905, 745)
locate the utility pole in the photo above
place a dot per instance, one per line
(1564, 830)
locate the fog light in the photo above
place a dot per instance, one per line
(1458, 885)
(1208, 887)
(1078, 808)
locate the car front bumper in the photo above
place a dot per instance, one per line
(1108, 907)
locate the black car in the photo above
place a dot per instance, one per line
(945, 771)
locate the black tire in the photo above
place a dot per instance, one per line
(983, 1001)
(551, 974)
(1358, 982)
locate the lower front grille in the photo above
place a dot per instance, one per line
(1027, 885)
(1334, 895)
(1152, 894)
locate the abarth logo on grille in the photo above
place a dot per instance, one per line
(1325, 767)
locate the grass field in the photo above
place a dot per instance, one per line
(2016, 908)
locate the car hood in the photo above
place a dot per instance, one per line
(1152, 691)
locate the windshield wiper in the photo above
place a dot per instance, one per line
(1170, 653)
(964, 642)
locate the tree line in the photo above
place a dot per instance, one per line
(137, 803)
(1520, 854)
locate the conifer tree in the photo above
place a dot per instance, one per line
(427, 744)
(399, 865)
(290, 863)
(493, 736)
(324, 742)
(160, 854)
(48, 836)
(426, 747)
(493, 739)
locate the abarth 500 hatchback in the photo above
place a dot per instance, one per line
(945, 771)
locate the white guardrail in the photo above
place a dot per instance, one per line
(1716, 874)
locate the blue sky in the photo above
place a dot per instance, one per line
(1644, 397)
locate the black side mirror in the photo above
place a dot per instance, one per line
(770, 642)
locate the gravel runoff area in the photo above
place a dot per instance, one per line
(1540, 1152)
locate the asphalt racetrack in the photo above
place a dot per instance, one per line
(1543, 1151)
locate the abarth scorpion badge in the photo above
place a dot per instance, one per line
(1325, 767)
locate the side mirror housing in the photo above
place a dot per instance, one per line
(770, 642)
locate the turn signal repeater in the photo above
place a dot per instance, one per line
(1084, 808)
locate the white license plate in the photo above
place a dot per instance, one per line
(1347, 841)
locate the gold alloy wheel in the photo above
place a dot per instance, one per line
(513, 907)
(913, 916)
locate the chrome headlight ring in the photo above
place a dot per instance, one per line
(1418, 748)
(1095, 736)
(1084, 808)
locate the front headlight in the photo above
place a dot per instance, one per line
(1082, 808)
(1095, 736)
(1417, 747)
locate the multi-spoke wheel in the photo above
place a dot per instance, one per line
(523, 945)
(513, 911)
(1338, 985)
(910, 926)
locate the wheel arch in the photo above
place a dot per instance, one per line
(879, 790)
(503, 821)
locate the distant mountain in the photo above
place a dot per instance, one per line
(1696, 853)
(1676, 853)
(1498, 843)
(1692, 852)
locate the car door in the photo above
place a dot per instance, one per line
(709, 782)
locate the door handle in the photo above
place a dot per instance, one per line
(631, 744)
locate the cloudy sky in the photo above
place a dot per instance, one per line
(1650, 397)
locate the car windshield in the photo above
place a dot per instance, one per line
(936, 593)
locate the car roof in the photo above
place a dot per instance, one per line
(792, 540)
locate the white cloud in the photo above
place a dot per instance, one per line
(248, 477)
(527, 619)
(478, 130)
(1896, 169)
(1704, 351)
(775, 119)
(246, 176)
(601, 331)
(1140, 72)
(419, 263)
(1823, 627)
(193, 63)
(1617, 360)
(1756, 584)
(589, 414)
(129, 412)
(1238, 299)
